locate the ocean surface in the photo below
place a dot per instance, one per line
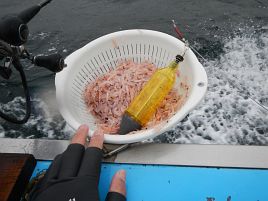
(231, 35)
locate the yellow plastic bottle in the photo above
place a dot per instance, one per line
(145, 104)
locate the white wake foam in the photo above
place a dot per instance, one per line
(229, 115)
(43, 123)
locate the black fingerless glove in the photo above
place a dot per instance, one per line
(73, 176)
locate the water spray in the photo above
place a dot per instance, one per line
(181, 37)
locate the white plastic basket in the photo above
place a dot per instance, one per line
(102, 55)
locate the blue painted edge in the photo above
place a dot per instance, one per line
(173, 183)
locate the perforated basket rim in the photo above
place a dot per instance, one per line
(198, 91)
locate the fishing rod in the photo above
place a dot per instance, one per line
(14, 34)
(181, 37)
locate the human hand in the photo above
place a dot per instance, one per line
(74, 174)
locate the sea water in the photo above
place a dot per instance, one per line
(231, 35)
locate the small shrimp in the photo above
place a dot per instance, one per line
(109, 95)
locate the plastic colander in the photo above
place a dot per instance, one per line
(102, 55)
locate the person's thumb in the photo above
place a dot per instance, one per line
(117, 190)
